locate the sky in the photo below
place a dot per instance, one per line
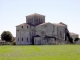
(13, 12)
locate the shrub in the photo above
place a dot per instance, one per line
(13, 43)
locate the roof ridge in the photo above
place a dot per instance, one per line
(72, 33)
(35, 14)
(44, 23)
(58, 24)
(23, 24)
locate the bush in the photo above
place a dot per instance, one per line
(76, 39)
(13, 43)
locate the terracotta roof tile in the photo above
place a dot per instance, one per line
(71, 33)
(23, 24)
(36, 14)
(44, 23)
(62, 23)
(57, 24)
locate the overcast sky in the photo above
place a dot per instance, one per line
(13, 12)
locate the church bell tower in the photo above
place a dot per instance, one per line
(35, 19)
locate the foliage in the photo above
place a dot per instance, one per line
(13, 43)
(7, 36)
(76, 39)
(13, 39)
(69, 37)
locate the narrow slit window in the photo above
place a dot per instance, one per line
(22, 39)
(27, 26)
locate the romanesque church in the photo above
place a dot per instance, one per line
(35, 31)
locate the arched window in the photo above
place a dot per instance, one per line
(27, 26)
(27, 39)
(22, 26)
(22, 39)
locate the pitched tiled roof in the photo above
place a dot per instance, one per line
(57, 24)
(35, 14)
(62, 23)
(44, 23)
(71, 33)
(23, 24)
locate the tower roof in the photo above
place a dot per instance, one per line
(35, 14)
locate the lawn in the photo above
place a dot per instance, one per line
(40, 52)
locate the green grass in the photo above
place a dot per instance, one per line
(40, 52)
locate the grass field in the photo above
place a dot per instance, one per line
(40, 52)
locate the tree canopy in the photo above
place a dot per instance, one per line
(7, 36)
(76, 39)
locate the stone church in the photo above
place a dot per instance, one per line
(38, 32)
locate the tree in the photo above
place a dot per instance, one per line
(76, 39)
(13, 39)
(7, 36)
(13, 42)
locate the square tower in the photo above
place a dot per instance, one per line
(35, 19)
